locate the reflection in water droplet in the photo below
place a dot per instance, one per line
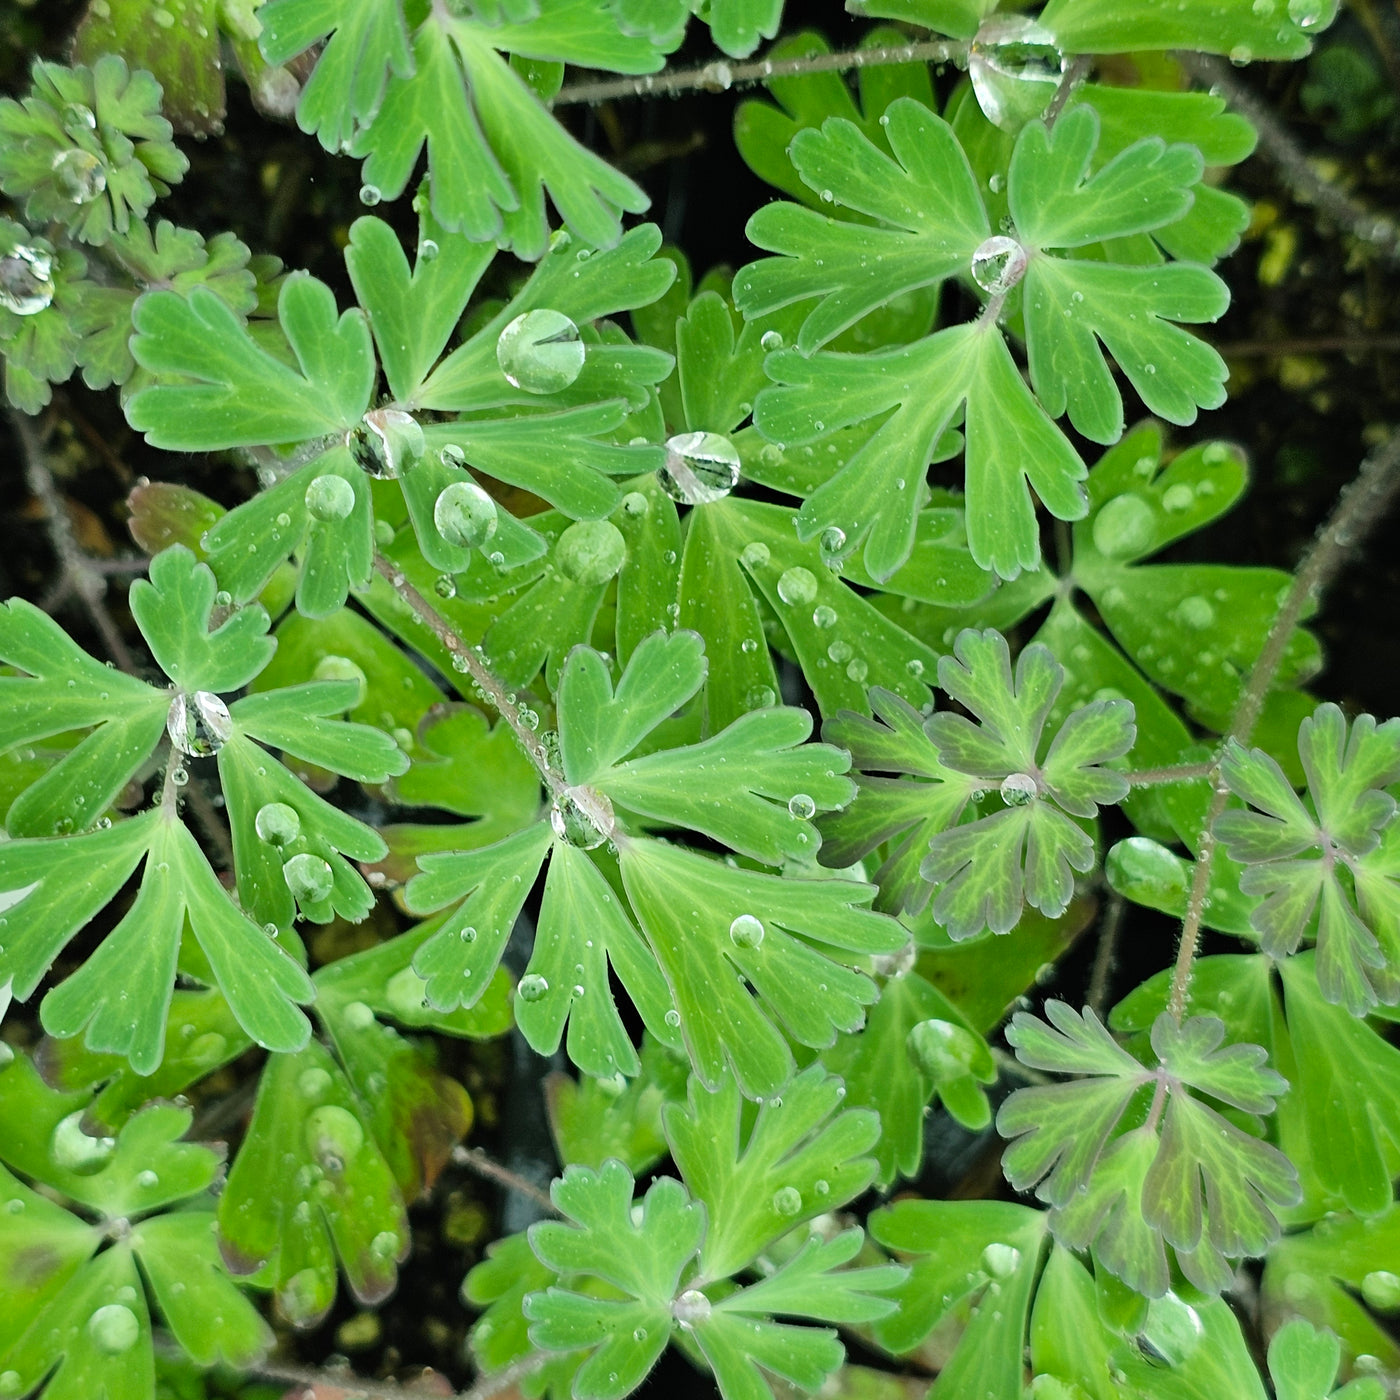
(699, 468)
(823, 616)
(746, 931)
(358, 1016)
(1173, 1329)
(26, 281)
(755, 555)
(691, 1308)
(590, 552)
(1018, 788)
(314, 1083)
(540, 352)
(1001, 1260)
(771, 340)
(79, 175)
(797, 587)
(308, 877)
(198, 723)
(943, 1050)
(1125, 526)
(1381, 1290)
(73, 1150)
(330, 497)
(998, 264)
(465, 515)
(1015, 69)
(113, 1329)
(386, 443)
(801, 806)
(277, 823)
(333, 1137)
(532, 987)
(787, 1200)
(1177, 498)
(583, 817)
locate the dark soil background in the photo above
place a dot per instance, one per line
(1313, 339)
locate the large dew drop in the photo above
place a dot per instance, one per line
(998, 264)
(541, 352)
(79, 175)
(532, 987)
(26, 281)
(278, 824)
(700, 468)
(308, 877)
(583, 818)
(330, 497)
(1381, 1290)
(746, 932)
(943, 1050)
(465, 515)
(198, 723)
(1015, 69)
(691, 1308)
(73, 1150)
(1001, 1260)
(340, 668)
(386, 442)
(590, 552)
(1018, 788)
(333, 1137)
(801, 807)
(787, 1200)
(797, 587)
(1124, 527)
(113, 1329)
(1173, 1329)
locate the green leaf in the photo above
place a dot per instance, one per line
(308, 1187)
(1128, 1196)
(1292, 851)
(1303, 1363)
(224, 390)
(1026, 851)
(799, 1158)
(1099, 26)
(686, 906)
(172, 610)
(65, 689)
(925, 198)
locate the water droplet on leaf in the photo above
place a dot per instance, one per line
(797, 587)
(26, 281)
(699, 468)
(998, 264)
(277, 823)
(746, 931)
(583, 818)
(801, 806)
(330, 497)
(308, 877)
(943, 1050)
(198, 723)
(691, 1308)
(540, 352)
(590, 552)
(80, 175)
(1018, 788)
(532, 987)
(787, 1200)
(333, 1136)
(113, 1329)
(1125, 526)
(73, 1150)
(1015, 69)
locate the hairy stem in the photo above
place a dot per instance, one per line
(1075, 74)
(720, 75)
(1360, 507)
(1277, 143)
(476, 1160)
(1176, 773)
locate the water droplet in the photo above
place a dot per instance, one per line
(465, 515)
(635, 504)
(78, 119)
(833, 540)
(801, 806)
(79, 175)
(839, 652)
(333, 1136)
(26, 281)
(590, 552)
(1196, 613)
(10, 1382)
(358, 1016)
(755, 555)
(760, 697)
(540, 352)
(915, 667)
(942, 1049)
(404, 992)
(1173, 1328)
(823, 616)
(1241, 55)
(673, 1018)
(198, 723)
(74, 1151)
(746, 931)
(857, 669)
(582, 817)
(308, 877)
(428, 250)
(691, 1308)
(314, 1083)
(797, 587)
(998, 264)
(1018, 788)
(639, 1334)
(1015, 68)
(114, 1329)
(277, 823)
(771, 340)
(1381, 1290)
(1177, 498)
(1306, 14)
(330, 497)
(1001, 1260)
(532, 987)
(341, 668)
(370, 195)
(444, 586)
(699, 468)
(1125, 526)
(787, 1200)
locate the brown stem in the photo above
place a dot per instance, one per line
(1360, 507)
(1070, 79)
(1106, 954)
(1277, 143)
(475, 1159)
(720, 75)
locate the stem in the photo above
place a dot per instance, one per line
(1177, 773)
(475, 1159)
(1106, 954)
(1360, 507)
(1277, 143)
(475, 666)
(351, 1384)
(720, 76)
(1070, 79)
